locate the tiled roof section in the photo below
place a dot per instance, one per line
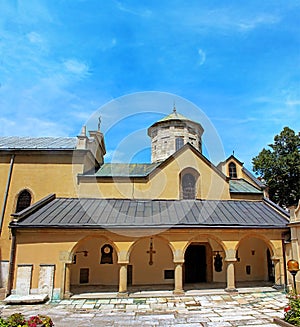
(126, 213)
(255, 180)
(125, 170)
(242, 186)
(37, 143)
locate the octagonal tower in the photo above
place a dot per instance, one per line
(171, 133)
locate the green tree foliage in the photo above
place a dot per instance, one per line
(279, 167)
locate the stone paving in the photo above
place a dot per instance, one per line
(253, 309)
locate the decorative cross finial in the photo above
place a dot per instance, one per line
(99, 123)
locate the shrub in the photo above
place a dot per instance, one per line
(292, 311)
(18, 320)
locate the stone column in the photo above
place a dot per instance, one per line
(277, 271)
(123, 278)
(230, 275)
(178, 279)
(123, 253)
(65, 258)
(178, 248)
(67, 293)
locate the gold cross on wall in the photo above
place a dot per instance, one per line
(151, 252)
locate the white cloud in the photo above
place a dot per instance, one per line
(136, 11)
(35, 38)
(202, 57)
(76, 67)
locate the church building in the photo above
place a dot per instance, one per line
(71, 223)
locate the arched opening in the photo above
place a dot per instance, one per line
(23, 201)
(94, 267)
(198, 263)
(195, 264)
(254, 264)
(188, 186)
(232, 170)
(151, 262)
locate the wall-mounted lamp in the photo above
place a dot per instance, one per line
(218, 263)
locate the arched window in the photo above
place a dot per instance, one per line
(178, 143)
(232, 170)
(188, 186)
(24, 200)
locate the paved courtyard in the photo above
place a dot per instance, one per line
(217, 309)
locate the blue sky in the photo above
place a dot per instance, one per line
(63, 62)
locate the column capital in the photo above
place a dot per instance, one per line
(233, 260)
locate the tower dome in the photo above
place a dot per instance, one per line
(170, 133)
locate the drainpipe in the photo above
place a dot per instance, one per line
(12, 260)
(12, 159)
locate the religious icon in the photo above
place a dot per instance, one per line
(151, 252)
(106, 254)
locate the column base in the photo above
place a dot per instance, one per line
(122, 294)
(67, 295)
(178, 292)
(231, 290)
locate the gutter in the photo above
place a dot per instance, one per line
(12, 159)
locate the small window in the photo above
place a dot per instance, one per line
(188, 186)
(179, 143)
(232, 170)
(24, 200)
(169, 274)
(84, 275)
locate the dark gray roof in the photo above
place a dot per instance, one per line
(242, 186)
(37, 143)
(126, 213)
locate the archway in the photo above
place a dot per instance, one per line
(151, 264)
(94, 266)
(195, 264)
(254, 264)
(198, 263)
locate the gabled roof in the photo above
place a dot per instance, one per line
(129, 213)
(37, 143)
(242, 186)
(144, 170)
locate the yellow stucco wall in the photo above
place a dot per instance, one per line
(163, 183)
(49, 247)
(41, 175)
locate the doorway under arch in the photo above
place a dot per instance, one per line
(198, 263)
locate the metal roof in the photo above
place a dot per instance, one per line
(125, 170)
(255, 180)
(37, 143)
(242, 186)
(174, 116)
(128, 213)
